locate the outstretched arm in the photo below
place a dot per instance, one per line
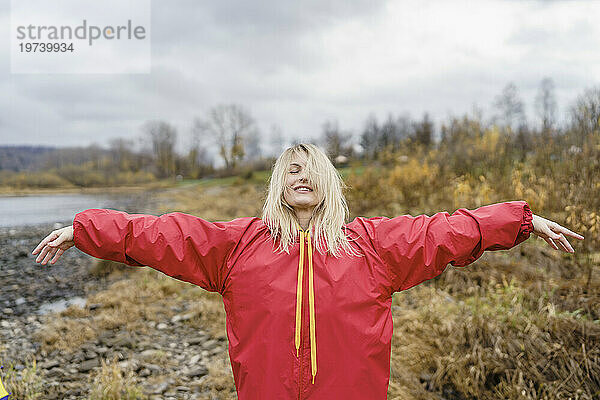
(419, 248)
(180, 245)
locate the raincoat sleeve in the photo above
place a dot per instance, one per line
(419, 248)
(182, 246)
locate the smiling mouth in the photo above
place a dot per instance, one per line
(303, 189)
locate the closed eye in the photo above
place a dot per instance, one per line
(295, 168)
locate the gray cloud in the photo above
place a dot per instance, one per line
(297, 64)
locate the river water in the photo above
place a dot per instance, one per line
(41, 209)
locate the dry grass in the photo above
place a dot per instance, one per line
(130, 302)
(216, 203)
(65, 334)
(104, 268)
(24, 384)
(219, 382)
(507, 342)
(209, 315)
(496, 331)
(112, 382)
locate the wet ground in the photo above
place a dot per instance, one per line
(30, 288)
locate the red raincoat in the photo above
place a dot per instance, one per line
(337, 311)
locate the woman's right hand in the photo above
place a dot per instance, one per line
(55, 244)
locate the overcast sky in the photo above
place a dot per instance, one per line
(296, 64)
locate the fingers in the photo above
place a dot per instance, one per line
(565, 247)
(43, 243)
(559, 243)
(568, 232)
(561, 231)
(551, 243)
(57, 255)
(552, 239)
(48, 251)
(565, 244)
(43, 253)
(53, 255)
(49, 255)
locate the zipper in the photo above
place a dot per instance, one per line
(300, 371)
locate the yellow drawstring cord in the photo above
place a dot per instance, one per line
(299, 294)
(311, 303)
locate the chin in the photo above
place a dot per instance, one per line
(306, 202)
(303, 204)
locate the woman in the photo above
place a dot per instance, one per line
(307, 297)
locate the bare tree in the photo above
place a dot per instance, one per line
(389, 134)
(230, 125)
(511, 111)
(162, 136)
(252, 145)
(424, 131)
(370, 137)
(585, 115)
(122, 153)
(545, 104)
(198, 160)
(404, 127)
(336, 142)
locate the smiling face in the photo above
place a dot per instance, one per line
(299, 193)
(322, 211)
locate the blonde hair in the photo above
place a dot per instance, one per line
(328, 216)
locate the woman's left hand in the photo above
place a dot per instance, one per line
(550, 231)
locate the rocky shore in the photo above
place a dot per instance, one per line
(170, 358)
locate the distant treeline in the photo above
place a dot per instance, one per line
(230, 134)
(22, 158)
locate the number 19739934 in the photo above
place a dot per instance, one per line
(43, 47)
